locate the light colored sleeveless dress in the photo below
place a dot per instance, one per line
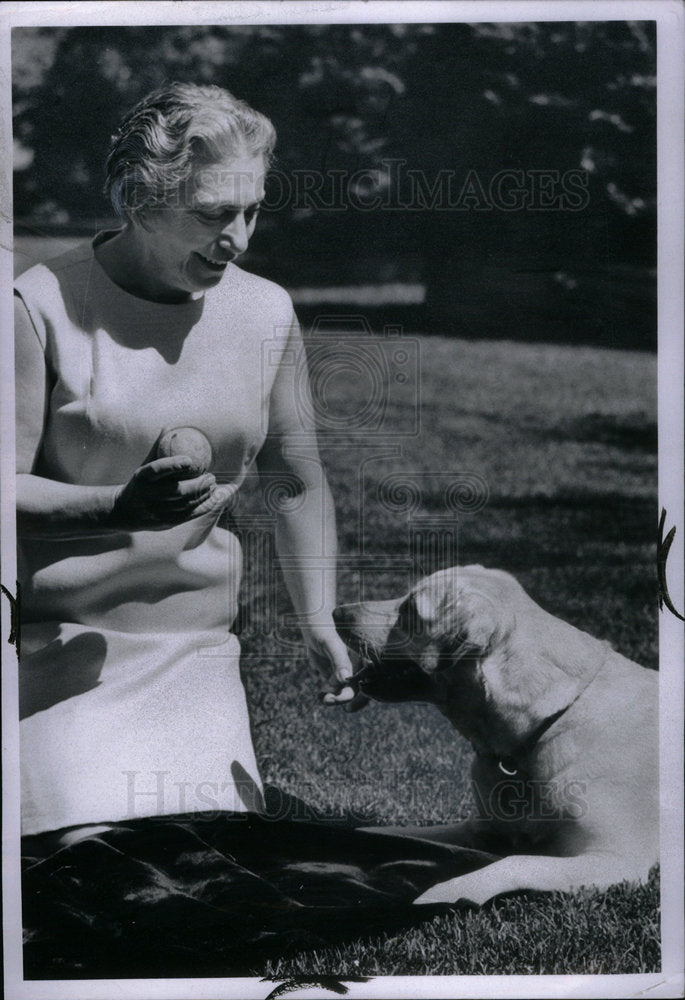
(130, 693)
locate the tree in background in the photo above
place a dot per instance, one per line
(399, 156)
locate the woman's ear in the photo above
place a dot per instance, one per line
(140, 217)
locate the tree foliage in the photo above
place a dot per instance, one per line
(393, 108)
(346, 96)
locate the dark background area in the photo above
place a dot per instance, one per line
(431, 114)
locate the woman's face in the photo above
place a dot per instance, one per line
(186, 246)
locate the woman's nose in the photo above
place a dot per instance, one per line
(234, 234)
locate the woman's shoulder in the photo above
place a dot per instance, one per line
(50, 277)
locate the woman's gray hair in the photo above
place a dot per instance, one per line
(172, 132)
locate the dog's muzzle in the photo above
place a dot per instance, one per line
(391, 679)
(384, 673)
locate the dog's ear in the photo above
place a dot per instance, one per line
(524, 691)
(463, 621)
(476, 619)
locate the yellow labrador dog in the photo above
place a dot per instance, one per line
(564, 729)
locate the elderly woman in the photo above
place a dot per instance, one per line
(131, 698)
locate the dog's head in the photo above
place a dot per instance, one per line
(407, 647)
(468, 640)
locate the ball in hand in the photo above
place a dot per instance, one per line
(187, 441)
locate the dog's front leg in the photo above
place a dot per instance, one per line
(541, 873)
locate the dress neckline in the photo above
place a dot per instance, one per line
(191, 305)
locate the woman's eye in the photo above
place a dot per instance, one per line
(221, 214)
(210, 216)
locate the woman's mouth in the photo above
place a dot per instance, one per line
(210, 262)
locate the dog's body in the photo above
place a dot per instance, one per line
(564, 729)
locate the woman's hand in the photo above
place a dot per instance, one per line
(160, 494)
(328, 653)
(163, 493)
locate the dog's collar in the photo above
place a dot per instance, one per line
(509, 766)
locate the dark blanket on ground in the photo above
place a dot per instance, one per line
(190, 897)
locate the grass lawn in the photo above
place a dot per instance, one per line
(560, 443)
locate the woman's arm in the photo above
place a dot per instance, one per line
(159, 494)
(296, 490)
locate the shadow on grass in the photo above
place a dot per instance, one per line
(630, 432)
(282, 805)
(578, 518)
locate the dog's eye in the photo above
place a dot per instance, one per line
(458, 647)
(409, 619)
